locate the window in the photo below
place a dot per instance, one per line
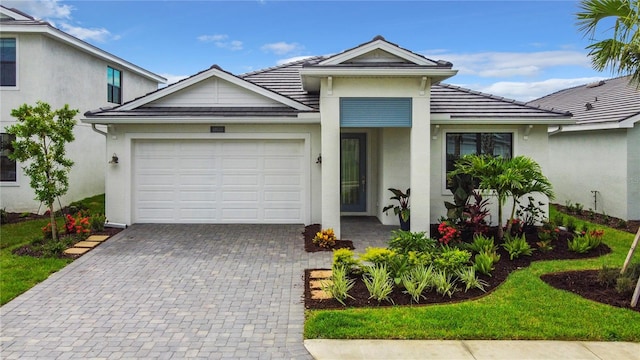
(114, 85)
(7, 166)
(459, 144)
(8, 62)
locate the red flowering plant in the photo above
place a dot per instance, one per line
(448, 233)
(47, 232)
(78, 225)
(548, 232)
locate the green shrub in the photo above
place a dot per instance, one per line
(483, 262)
(344, 258)
(586, 242)
(482, 243)
(377, 255)
(571, 225)
(405, 241)
(339, 285)
(97, 222)
(417, 281)
(468, 276)
(451, 259)
(378, 281)
(607, 276)
(517, 246)
(419, 258)
(625, 285)
(444, 283)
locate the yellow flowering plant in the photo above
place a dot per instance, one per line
(325, 238)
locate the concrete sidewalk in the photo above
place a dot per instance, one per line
(322, 349)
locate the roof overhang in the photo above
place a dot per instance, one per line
(445, 119)
(302, 118)
(311, 76)
(612, 125)
(48, 30)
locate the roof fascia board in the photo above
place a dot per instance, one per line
(600, 126)
(79, 44)
(630, 122)
(439, 120)
(336, 71)
(378, 44)
(201, 120)
(214, 72)
(13, 14)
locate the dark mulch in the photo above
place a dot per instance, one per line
(36, 249)
(310, 232)
(585, 283)
(596, 218)
(502, 269)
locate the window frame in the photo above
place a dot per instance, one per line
(15, 163)
(17, 65)
(501, 130)
(110, 86)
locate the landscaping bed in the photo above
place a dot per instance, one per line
(360, 296)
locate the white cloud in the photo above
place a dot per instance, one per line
(282, 48)
(222, 41)
(172, 79)
(507, 64)
(292, 59)
(527, 91)
(59, 15)
(95, 34)
(41, 9)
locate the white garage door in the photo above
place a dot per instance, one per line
(219, 181)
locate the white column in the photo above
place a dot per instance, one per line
(330, 141)
(420, 163)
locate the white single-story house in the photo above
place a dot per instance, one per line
(43, 63)
(307, 142)
(596, 161)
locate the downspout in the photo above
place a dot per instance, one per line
(558, 130)
(94, 128)
(108, 223)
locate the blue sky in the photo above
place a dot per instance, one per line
(517, 49)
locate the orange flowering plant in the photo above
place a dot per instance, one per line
(325, 238)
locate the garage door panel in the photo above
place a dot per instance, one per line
(287, 196)
(219, 181)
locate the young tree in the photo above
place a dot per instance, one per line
(513, 177)
(41, 135)
(621, 52)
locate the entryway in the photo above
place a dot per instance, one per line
(353, 172)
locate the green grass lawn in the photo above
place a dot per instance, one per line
(19, 273)
(524, 307)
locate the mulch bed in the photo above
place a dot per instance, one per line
(502, 269)
(37, 252)
(596, 218)
(585, 283)
(310, 232)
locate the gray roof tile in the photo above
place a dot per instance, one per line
(611, 100)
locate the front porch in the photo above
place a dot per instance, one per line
(365, 231)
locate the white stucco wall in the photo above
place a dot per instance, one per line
(584, 161)
(119, 181)
(54, 72)
(535, 147)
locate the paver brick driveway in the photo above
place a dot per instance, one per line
(170, 292)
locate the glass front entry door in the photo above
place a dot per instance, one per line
(353, 172)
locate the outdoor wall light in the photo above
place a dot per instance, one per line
(319, 159)
(114, 159)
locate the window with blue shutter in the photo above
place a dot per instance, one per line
(375, 112)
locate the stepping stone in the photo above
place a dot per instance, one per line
(87, 244)
(76, 251)
(320, 295)
(97, 237)
(317, 284)
(320, 274)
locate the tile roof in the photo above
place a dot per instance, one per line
(445, 99)
(611, 100)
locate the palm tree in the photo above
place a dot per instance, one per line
(514, 177)
(621, 52)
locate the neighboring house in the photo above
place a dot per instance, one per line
(42, 63)
(307, 142)
(596, 162)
